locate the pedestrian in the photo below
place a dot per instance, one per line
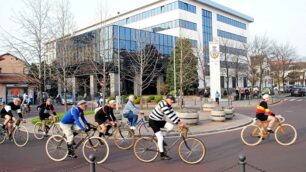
(247, 93)
(237, 94)
(206, 95)
(217, 96)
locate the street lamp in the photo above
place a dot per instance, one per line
(119, 83)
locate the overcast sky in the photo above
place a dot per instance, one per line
(281, 20)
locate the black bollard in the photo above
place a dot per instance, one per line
(92, 158)
(242, 162)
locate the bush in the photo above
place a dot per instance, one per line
(110, 98)
(150, 98)
(173, 92)
(124, 99)
(158, 98)
(137, 101)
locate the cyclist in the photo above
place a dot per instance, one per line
(70, 122)
(131, 112)
(104, 116)
(6, 113)
(157, 121)
(44, 109)
(262, 108)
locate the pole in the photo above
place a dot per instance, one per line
(119, 83)
(174, 66)
(242, 162)
(92, 158)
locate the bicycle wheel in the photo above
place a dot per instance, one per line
(97, 146)
(192, 150)
(251, 135)
(285, 134)
(124, 138)
(38, 132)
(20, 136)
(56, 148)
(56, 130)
(145, 149)
(2, 135)
(145, 130)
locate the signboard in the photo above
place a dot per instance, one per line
(17, 85)
(214, 68)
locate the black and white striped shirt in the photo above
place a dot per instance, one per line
(161, 110)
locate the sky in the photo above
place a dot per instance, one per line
(280, 20)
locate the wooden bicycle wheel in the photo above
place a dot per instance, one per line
(146, 149)
(97, 146)
(191, 150)
(285, 134)
(251, 135)
(124, 138)
(56, 148)
(20, 136)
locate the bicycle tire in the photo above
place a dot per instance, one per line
(96, 144)
(190, 145)
(145, 130)
(124, 138)
(251, 135)
(281, 134)
(146, 146)
(56, 143)
(20, 136)
(37, 131)
(56, 130)
(2, 134)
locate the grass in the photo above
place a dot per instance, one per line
(60, 115)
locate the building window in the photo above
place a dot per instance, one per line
(230, 21)
(207, 32)
(231, 36)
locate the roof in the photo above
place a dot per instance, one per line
(15, 79)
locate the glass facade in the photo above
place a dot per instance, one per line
(155, 11)
(173, 24)
(231, 36)
(231, 50)
(207, 32)
(230, 21)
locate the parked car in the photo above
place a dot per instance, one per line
(288, 88)
(60, 99)
(298, 91)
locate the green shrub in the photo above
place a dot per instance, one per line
(137, 101)
(124, 98)
(158, 98)
(173, 92)
(150, 98)
(111, 98)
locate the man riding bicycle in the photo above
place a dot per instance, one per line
(70, 123)
(44, 109)
(262, 108)
(104, 116)
(131, 112)
(157, 121)
(6, 113)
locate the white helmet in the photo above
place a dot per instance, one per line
(265, 96)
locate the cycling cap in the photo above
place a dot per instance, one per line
(265, 96)
(81, 102)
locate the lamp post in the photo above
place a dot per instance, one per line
(119, 83)
(174, 66)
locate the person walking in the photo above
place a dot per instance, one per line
(217, 96)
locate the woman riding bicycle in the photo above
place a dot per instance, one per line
(44, 109)
(262, 108)
(131, 112)
(104, 116)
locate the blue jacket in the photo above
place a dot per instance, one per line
(130, 107)
(73, 116)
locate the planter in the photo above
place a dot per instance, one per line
(217, 115)
(208, 107)
(190, 118)
(229, 113)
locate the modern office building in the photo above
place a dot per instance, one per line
(159, 24)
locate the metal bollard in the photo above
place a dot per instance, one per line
(92, 158)
(242, 162)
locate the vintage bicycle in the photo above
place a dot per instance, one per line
(191, 150)
(57, 150)
(285, 134)
(51, 125)
(20, 134)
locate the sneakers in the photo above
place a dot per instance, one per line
(108, 134)
(72, 155)
(270, 131)
(165, 157)
(133, 128)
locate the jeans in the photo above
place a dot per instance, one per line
(132, 118)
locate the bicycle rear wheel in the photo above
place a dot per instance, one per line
(56, 129)
(2, 134)
(56, 148)
(145, 130)
(251, 135)
(124, 138)
(192, 150)
(145, 149)
(285, 134)
(20, 136)
(97, 146)
(38, 132)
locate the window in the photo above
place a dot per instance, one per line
(232, 36)
(230, 21)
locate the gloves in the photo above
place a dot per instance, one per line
(89, 126)
(87, 129)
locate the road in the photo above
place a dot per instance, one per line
(222, 151)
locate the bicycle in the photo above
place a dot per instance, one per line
(191, 150)
(285, 134)
(19, 134)
(57, 150)
(142, 126)
(52, 125)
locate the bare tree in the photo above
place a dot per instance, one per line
(226, 59)
(200, 52)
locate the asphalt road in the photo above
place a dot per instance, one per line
(222, 152)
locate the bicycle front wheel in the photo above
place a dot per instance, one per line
(145, 130)
(20, 136)
(191, 150)
(145, 149)
(97, 146)
(251, 135)
(38, 132)
(56, 148)
(285, 134)
(124, 138)
(56, 129)
(2, 134)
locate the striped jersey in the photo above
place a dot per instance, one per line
(262, 108)
(161, 110)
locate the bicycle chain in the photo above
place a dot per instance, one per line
(255, 168)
